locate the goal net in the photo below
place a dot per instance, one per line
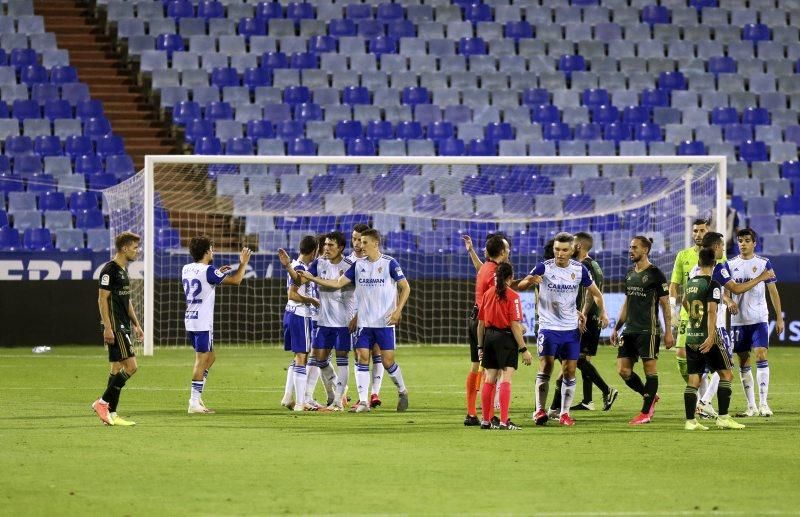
(421, 206)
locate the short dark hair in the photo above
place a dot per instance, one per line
(495, 246)
(361, 227)
(198, 247)
(308, 244)
(747, 232)
(337, 237)
(372, 233)
(548, 250)
(563, 237)
(126, 238)
(712, 238)
(707, 257)
(700, 221)
(586, 239)
(647, 242)
(320, 242)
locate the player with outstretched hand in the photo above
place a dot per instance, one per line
(560, 322)
(645, 291)
(199, 280)
(298, 327)
(118, 319)
(381, 293)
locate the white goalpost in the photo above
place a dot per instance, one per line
(420, 205)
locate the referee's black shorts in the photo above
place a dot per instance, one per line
(499, 350)
(472, 334)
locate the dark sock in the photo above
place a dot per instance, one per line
(114, 396)
(724, 396)
(586, 380)
(650, 389)
(597, 379)
(556, 405)
(690, 401)
(634, 382)
(115, 385)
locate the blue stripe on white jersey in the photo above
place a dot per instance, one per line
(558, 292)
(199, 282)
(752, 304)
(376, 290)
(336, 306)
(308, 289)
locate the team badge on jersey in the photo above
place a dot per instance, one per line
(754, 270)
(380, 270)
(573, 276)
(644, 279)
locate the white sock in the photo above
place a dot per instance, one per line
(329, 380)
(377, 374)
(703, 385)
(397, 377)
(362, 382)
(311, 380)
(300, 381)
(567, 394)
(762, 376)
(542, 387)
(342, 366)
(197, 390)
(711, 389)
(288, 390)
(747, 384)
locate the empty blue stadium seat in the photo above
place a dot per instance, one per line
(249, 27)
(208, 145)
(535, 97)
(722, 115)
(9, 239)
(383, 45)
(617, 131)
(518, 29)
(48, 146)
(299, 11)
(22, 57)
(647, 132)
(790, 169)
(588, 131)
(222, 77)
(451, 147)
(472, 46)
(755, 116)
(753, 151)
(169, 43)
(260, 129)
(408, 130)
(89, 218)
(722, 65)
(303, 60)
(656, 14)
(218, 110)
(756, 32)
(655, 97)
(110, 145)
(360, 147)
(322, 43)
(605, 114)
(379, 130)
(96, 127)
(545, 114)
(556, 131)
(37, 239)
(121, 166)
(211, 9)
(342, 28)
(25, 109)
(198, 128)
(400, 28)
(180, 9)
(274, 59)
(301, 147)
(413, 95)
(788, 205)
(571, 63)
(355, 95)
(51, 201)
(692, 148)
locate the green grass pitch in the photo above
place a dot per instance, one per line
(254, 457)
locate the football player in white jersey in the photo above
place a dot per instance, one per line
(335, 312)
(199, 280)
(751, 325)
(298, 326)
(722, 275)
(381, 293)
(560, 322)
(377, 360)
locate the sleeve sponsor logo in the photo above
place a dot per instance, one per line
(105, 280)
(716, 293)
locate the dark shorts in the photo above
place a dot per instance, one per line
(634, 346)
(121, 348)
(747, 337)
(591, 338)
(564, 345)
(472, 336)
(333, 337)
(298, 333)
(499, 350)
(716, 359)
(202, 342)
